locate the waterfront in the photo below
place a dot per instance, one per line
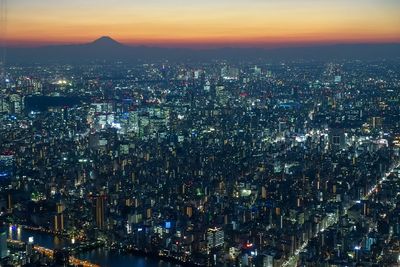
(100, 256)
(104, 257)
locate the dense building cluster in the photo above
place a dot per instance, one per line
(218, 164)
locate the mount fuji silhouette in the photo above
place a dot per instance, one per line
(107, 49)
(105, 41)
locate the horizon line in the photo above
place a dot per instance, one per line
(201, 45)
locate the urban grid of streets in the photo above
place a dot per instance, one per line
(218, 164)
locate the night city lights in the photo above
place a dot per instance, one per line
(171, 133)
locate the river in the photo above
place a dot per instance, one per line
(100, 256)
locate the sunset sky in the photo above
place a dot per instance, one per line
(203, 22)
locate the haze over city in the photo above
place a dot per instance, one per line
(213, 133)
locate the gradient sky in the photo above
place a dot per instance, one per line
(203, 22)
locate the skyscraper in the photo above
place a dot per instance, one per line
(337, 138)
(100, 212)
(3, 245)
(215, 237)
(59, 218)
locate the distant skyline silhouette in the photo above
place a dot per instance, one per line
(106, 48)
(110, 41)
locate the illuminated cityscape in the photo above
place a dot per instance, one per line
(172, 155)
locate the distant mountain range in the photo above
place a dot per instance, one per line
(106, 48)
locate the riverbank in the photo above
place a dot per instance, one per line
(102, 256)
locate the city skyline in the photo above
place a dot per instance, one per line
(170, 133)
(203, 24)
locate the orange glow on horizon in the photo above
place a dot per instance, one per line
(214, 24)
(212, 42)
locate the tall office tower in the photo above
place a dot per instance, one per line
(100, 211)
(59, 218)
(222, 94)
(17, 103)
(4, 104)
(229, 73)
(58, 222)
(376, 122)
(263, 192)
(9, 202)
(133, 122)
(215, 237)
(337, 138)
(29, 246)
(3, 245)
